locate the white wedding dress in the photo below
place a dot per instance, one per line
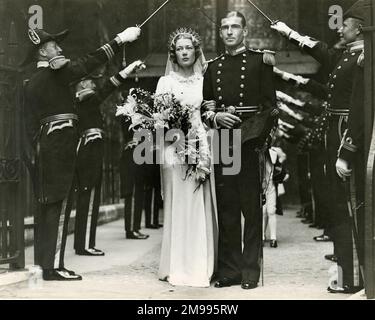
(188, 251)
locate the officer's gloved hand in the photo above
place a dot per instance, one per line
(129, 34)
(282, 28)
(342, 168)
(226, 120)
(135, 66)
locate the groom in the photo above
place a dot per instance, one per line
(237, 85)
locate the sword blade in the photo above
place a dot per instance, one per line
(260, 11)
(155, 12)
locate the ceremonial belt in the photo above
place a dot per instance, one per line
(59, 117)
(244, 109)
(337, 112)
(91, 131)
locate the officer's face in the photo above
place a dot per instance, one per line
(50, 50)
(185, 53)
(349, 30)
(232, 32)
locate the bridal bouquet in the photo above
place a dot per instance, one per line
(159, 111)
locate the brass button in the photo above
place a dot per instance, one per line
(241, 104)
(242, 76)
(241, 95)
(353, 54)
(332, 86)
(220, 98)
(220, 65)
(244, 55)
(223, 105)
(329, 96)
(335, 76)
(218, 80)
(240, 113)
(243, 68)
(242, 85)
(346, 59)
(222, 58)
(339, 67)
(243, 61)
(218, 89)
(219, 72)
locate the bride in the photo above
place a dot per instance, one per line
(190, 229)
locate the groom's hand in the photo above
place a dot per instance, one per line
(226, 120)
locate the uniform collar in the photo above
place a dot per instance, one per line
(355, 46)
(236, 52)
(42, 64)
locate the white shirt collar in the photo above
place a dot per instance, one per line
(42, 64)
(355, 46)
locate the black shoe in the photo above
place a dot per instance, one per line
(249, 284)
(66, 270)
(273, 243)
(331, 257)
(226, 282)
(136, 235)
(59, 275)
(90, 252)
(344, 289)
(152, 226)
(322, 238)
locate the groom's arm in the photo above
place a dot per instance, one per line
(208, 116)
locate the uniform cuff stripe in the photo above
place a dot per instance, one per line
(115, 82)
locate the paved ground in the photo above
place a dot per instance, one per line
(295, 270)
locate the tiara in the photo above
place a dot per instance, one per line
(184, 31)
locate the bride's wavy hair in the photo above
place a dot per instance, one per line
(184, 33)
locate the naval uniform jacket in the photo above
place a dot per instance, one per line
(342, 66)
(48, 94)
(243, 81)
(90, 127)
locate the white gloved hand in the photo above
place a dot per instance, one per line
(342, 168)
(129, 34)
(282, 28)
(135, 66)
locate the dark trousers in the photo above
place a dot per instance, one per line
(89, 169)
(152, 199)
(87, 214)
(304, 185)
(320, 188)
(132, 185)
(341, 221)
(52, 232)
(236, 194)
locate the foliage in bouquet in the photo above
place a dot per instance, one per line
(140, 109)
(159, 111)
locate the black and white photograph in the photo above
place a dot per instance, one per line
(209, 151)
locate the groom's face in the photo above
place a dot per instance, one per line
(232, 32)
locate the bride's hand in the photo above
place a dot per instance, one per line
(226, 120)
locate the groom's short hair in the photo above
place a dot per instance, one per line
(237, 14)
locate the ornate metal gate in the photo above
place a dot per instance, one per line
(370, 141)
(12, 172)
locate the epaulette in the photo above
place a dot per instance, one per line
(361, 59)
(268, 56)
(214, 59)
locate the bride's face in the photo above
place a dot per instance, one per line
(185, 53)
